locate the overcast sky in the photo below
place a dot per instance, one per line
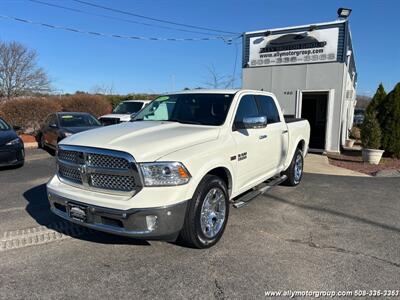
(79, 62)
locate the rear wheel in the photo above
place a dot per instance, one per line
(295, 170)
(207, 214)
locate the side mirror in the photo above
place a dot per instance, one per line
(252, 123)
(16, 128)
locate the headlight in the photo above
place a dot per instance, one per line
(13, 142)
(164, 174)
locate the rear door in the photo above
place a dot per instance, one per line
(52, 131)
(275, 136)
(248, 164)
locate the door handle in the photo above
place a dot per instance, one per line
(264, 136)
(284, 131)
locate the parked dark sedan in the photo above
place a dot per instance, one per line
(63, 124)
(12, 151)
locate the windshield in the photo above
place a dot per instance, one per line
(78, 120)
(202, 109)
(128, 107)
(3, 125)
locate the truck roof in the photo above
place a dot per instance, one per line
(207, 91)
(219, 91)
(137, 100)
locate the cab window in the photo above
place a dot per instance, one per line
(247, 108)
(268, 108)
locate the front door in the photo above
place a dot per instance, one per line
(248, 157)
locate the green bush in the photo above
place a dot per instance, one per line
(97, 105)
(355, 133)
(28, 113)
(391, 122)
(371, 131)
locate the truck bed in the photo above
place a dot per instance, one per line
(292, 119)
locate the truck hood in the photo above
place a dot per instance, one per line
(145, 140)
(121, 117)
(78, 129)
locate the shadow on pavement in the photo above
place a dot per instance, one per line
(39, 208)
(333, 212)
(5, 168)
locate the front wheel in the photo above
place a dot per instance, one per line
(207, 213)
(295, 171)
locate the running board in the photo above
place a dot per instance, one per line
(258, 190)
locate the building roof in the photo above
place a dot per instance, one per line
(297, 27)
(207, 91)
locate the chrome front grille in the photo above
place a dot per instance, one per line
(70, 156)
(98, 169)
(112, 182)
(107, 161)
(70, 173)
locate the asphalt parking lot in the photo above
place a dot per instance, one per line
(330, 233)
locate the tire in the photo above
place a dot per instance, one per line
(295, 170)
(41, 142)
(205, 232)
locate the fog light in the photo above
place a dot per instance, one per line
(152, 222)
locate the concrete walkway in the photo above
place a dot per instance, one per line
(319, 164)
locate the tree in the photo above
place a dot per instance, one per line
(391, 122)
(377, 104)
(218, 81)
(103, 89)
(370, 131)
(363, 101)
(19, 73)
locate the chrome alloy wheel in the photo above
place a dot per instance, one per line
(298, 168)
(212, 215)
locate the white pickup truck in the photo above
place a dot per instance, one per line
(175, 169)
(124, 112)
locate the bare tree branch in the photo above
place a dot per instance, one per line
(19, 73)
(104, 89)
(217, 81)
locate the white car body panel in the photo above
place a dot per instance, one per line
(121, 117)
(148, 140)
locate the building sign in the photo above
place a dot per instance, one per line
(319, 45)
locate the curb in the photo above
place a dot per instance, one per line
(40, 235)
(33, 145)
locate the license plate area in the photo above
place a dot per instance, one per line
(77, 212)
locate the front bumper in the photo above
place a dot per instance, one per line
(11, 155)
(130, 223)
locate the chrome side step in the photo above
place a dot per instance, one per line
(258, 190)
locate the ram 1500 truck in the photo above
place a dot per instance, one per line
(173, 171)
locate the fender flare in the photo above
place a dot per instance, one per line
(206, 169)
